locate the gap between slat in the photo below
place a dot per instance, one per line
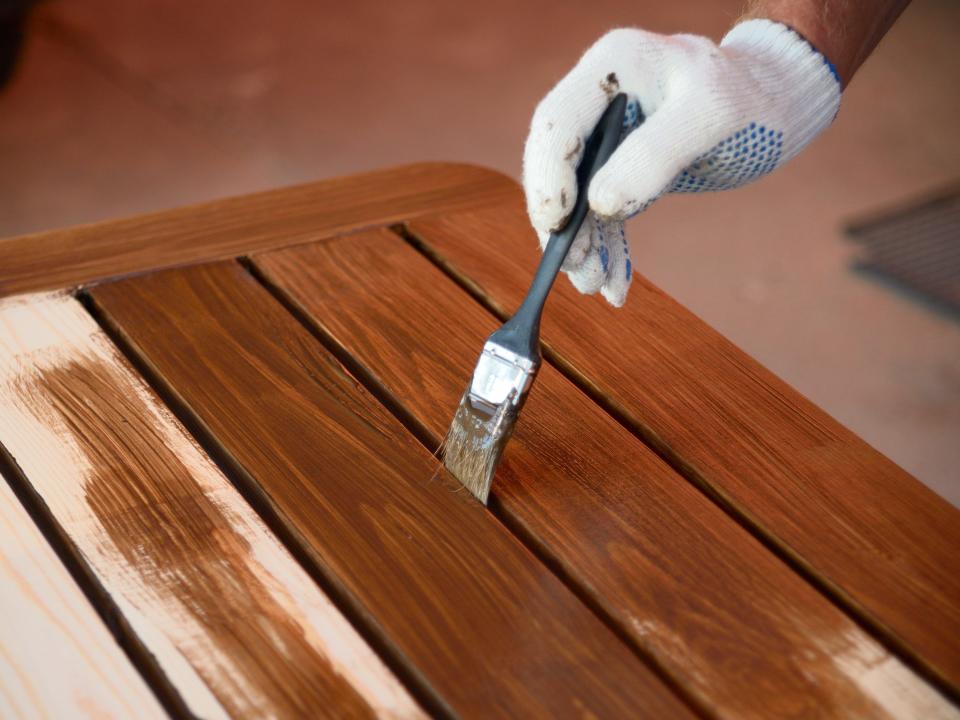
(96, 594)
(690, 473)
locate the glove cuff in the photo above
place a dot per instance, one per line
(798, 80)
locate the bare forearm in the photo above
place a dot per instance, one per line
(845, 31)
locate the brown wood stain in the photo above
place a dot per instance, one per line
(490, 630)
(173, 535)
(730, 622)
(480, 626)
(873, 537)
(231, 618)
(234, 226)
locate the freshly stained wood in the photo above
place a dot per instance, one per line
(235, 624)
(57, 659)
(881, 542)
(729, 621)
(487, 628)
(220, 229)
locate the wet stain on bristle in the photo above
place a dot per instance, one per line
(474, 444)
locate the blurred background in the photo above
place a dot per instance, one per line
(123, 106)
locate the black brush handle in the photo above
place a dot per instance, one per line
(521, 333)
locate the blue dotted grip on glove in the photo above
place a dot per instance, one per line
(748, 154)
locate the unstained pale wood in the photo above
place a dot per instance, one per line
(57, 659)
(224, 228)
(874, 537)
(489, 630)
(233, 622)
(730, 622)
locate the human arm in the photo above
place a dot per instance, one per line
(844, 31)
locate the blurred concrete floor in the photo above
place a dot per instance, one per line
(123, 107)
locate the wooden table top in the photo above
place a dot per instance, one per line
(221, 499)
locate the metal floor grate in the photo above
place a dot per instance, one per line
(917, 247)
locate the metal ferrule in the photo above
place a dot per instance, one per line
(501, 376)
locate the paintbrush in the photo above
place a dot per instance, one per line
(491, 404)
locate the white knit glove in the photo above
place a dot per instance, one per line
(717, 117)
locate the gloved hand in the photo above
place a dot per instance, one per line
(716, 117)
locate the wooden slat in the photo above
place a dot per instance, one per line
(57, 659)
(220, 229)
(234, 623)
(728, 620)
(873, 536)
(488, 629)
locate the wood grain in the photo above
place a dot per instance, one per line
(871, 535)
(234, 623)
(728, 620)
(57, 659)
(224, 228)
(489, 630)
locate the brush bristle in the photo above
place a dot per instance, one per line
(474, 444)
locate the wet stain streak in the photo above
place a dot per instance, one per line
(182, 549)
